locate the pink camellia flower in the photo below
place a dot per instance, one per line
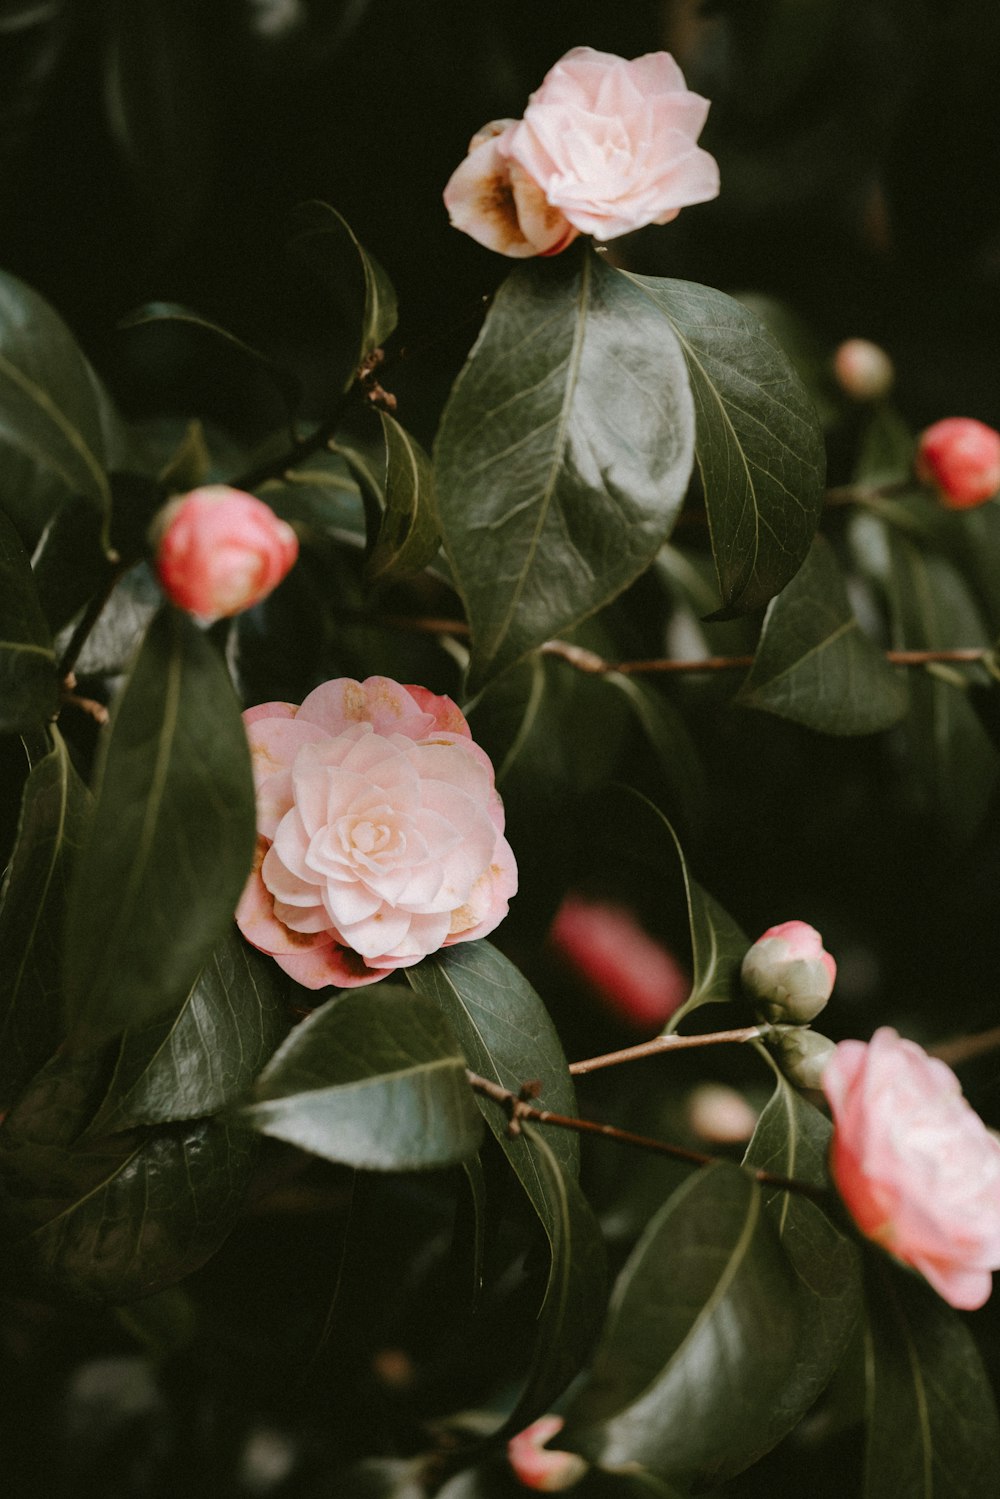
(916, 1166)
(633, 976)
(218, 551)
(960, 459)
(606, 146)
(380, 833)
(788, 973)
(537, 1468)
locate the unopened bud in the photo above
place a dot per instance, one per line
(863, 370)
(803, 1055)
(789, 974)
(219, 551)
(960, 459)
(720, 1115)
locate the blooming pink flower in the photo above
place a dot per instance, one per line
(788, 972)
(538, 1468)
(605, 147)
(219, 550)
(916, 1166)
(960, 458)
(380, 833)
(633, 975)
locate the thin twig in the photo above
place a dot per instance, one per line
(519, 1109)
(964, 1048)
(666, 1043)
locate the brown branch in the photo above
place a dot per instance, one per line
(666, 1043)
(518, 1109)
(964, 1048)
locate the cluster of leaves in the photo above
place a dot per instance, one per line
(156, 1091)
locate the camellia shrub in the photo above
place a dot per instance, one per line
(393, 1101)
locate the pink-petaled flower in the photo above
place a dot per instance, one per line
(788, 972)
(863, 370)
(960, 459)
(218, 551)
(633, 976)
(538, 1468)
(605, 147)
(380, 833)
(916, 1166)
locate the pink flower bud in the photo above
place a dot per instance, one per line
(915, 1165)
(539, 1469)
(633, 976)
(218, 551)
(960, 458)
(789, 974)
(720, 1115)
(863, 370)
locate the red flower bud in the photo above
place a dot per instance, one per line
(636, 978)
(960, 458)
(218, 551)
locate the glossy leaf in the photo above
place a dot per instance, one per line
(792, 1139)
(507, 1037)
(759, 446)
(668, 737)
(32, 912)
(407, 537)
(571, 424)
(932, 1420)
(372, 1079)
(110, 1220)
(28, 683)
(718, 946)
(69, 562)
(58, 431)
(171, 841)
(325, 242)
(321, 498)
(208, 1054)
(815, 665)
(685, 1374)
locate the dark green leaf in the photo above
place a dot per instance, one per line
(110, 646)
(669, 739)
(932, 1421)
(372, 1079)
(759, 446)
(408, 537)
(792, 1139)
(58, 431)
(32, 913)
(284, 381)
(815, 665)
(365, 295)
(507, 1037)
(563, 454)
(321, 497)
(700, 1341)
(111, 1220)
(952, 762)
(206, 1055)
(172, 837)
(718, 946)
(28, 684)
(70, 563)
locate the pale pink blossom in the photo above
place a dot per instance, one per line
(788, 972)
(605, 147)
(380, 833)
(636, 978)
(863, 370)
(960, 459)
(537, 1467)
(218, 551)
(916, 1166)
